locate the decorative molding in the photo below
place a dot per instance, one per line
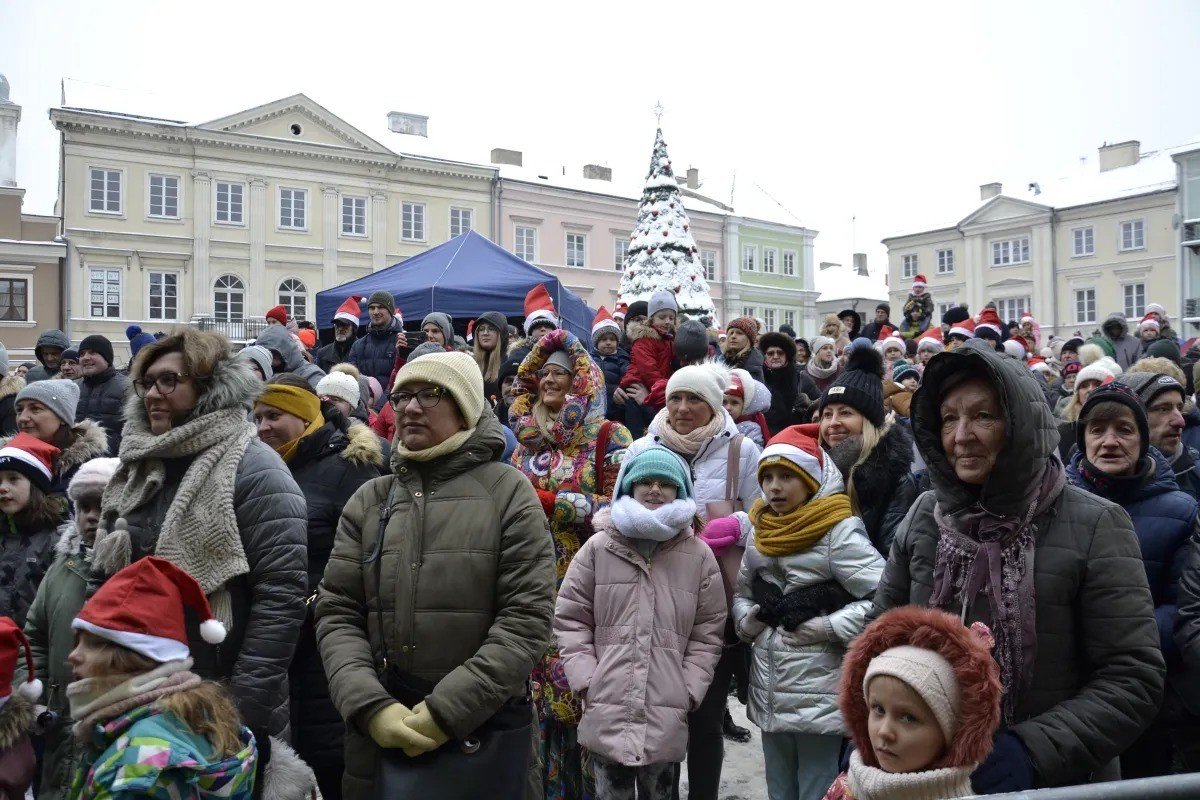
(577, 226)
(201, 175)
(526, 220)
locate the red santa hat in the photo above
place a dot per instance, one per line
(348, 311)
(470, 331)
(539, 306)
(919, 281)
(142, 608)
(31, 457)
(796, 448)
(604, 321)
(1149, 321)
(622, 310)
(885, 332)
(966, 328)
(933, 332)
(279, 314)
(12, 641)
(988, 318)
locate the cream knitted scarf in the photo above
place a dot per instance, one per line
(872, 783)
(199, 532)
(687, 444)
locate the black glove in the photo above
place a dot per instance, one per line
(767, 595)
(1008, 768)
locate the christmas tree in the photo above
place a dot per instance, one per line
(662, 253)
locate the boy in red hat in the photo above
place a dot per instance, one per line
(921, 300)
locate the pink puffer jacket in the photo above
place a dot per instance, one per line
(642, 639)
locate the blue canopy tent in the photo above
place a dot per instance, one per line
(464, 278)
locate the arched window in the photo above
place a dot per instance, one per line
(229, 299)
(294, 297)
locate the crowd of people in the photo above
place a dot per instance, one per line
(495, 560)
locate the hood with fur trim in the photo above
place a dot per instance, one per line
(10, 385)
(233, 384)
(641, 330)
(88, 441)
(69, 542)
(968, 653)
(362, 446)
(781, 340)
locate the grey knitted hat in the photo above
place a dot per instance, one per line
(59, 395)
(260, 357)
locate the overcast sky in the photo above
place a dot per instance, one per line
(888, 113)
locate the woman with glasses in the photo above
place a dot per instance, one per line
(439, 593)
(198, 488)
(558, 416)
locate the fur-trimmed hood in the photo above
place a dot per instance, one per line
(362, 445)
(16, 720)
(287, 776)
(233, 385)
(10, 385)
(968, 652)
(641, 330)
(69, 542)
(89, 441)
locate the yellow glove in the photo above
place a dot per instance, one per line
(421, 724)
(387, 726)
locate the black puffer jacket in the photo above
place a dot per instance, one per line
(1097, 678)
(884, 487)
(102, 398)
(268, 601)
(792, 390)
(333, 353)
(751, 361)
(329, 466)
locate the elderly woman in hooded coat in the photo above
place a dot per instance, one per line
(1055, 571)
(571, 454)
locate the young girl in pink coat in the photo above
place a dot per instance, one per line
(639, 623)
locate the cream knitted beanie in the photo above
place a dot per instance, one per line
(707, 380)
(927, 673)
(456, 372)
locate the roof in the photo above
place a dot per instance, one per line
(626, 184)
(845, 283)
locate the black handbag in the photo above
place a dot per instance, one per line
(493, 761)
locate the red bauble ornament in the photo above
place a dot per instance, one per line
(685, 227)
(677, 288)
(654, 212)
(666, 233)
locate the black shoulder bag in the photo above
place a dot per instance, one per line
(493, 762)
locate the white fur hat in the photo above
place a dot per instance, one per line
(341, 386)
(708, 381)
(92, 476)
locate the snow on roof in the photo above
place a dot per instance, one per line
(845, 283)
(626, 183)
(1154, 172)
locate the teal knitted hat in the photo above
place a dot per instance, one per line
(657, 462)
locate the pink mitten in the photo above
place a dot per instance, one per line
(720, 533)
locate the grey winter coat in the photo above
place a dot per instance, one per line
(278, 339)
(795, 689)
(51, 338)
(1116, 330)
(1098, 674)
(102, 398)
(267, 602)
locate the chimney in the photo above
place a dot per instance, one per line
(409, 124)
(502, 156)
(597, 173)
(1121, 154)
(989, 190)
(693, 178)
(860, 264)
(10, 115)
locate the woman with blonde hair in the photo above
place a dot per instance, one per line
(489, 347)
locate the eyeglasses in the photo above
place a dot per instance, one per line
(552, 372)
(165, 381)
(426, 398)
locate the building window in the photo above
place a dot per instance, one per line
(164, 196)
(942, 308)
(789, 262)
(769, 319)
(293, 208)
(1085, 301)
(945, 261)
(749, 253)
(576, 246)
(1135, 300)
(460, 221)
(14, 300)
(163, 303)
(749, 311)
(908, 266)
(525, 241)
(1084, 242)
(105, 195)
(1010, 251)
(105, 288)
(620, 251)
(1133, 235)
(789, 319)
(1012, 308)
(412, 222)
(229, 299)
(354, 216)
(769, 254)
(294, 297)
(231, 203)
(708, 260)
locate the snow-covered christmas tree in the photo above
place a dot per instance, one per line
(662, 253)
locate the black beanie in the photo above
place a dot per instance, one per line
(1116, 393)
(638, 308)
(98, 345)
(860, 386)
(955, 315)
(691, 342)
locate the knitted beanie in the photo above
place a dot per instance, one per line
(654, 462)
(902, 369)
(929, 343)
(860, 385)
(1148, 322)
(91, 477)
(1116, 393)
(456, 372)
(955, 315)
(70, 354)
(663, 300)
(279, 314)
(927, 673)
(1097, 371)
(691, 341)
(638, 308)
(59, 395)
(444, 322)
(260, 357)
(341, 386)
(1164, 348)
(29, 456)
(382, 298)
(820, 341)
(137, 339)
(99, 345)
(746, 325)
(707, 381)
(1149, 385)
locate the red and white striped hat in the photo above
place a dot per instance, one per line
(31, 457)
(348, 311)
(797, 448)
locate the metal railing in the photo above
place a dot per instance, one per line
(243, 329)
(1167, 787)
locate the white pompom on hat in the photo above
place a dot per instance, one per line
(12, 641)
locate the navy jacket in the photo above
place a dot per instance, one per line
(1164, 518)
(375, 355)
(1187, 471)
(1191, 431)
(613, 367)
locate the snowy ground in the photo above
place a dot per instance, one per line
(742, 776)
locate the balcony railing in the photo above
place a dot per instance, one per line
(241, 329)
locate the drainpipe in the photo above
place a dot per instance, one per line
(64, 301)
(1054, 268)
(497, 216)
(724, 318)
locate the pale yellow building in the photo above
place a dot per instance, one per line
(217, 222)
(1071, 252)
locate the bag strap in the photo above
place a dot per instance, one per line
(385, 513)
(733, 468)
(601, 450)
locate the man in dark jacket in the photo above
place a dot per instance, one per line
(375, 353)
(792, 390)
(103, 390)
(1128, 349)
(1083, 676)
(1162, 396)
(338, 351)
(882, 317)
(48, 350)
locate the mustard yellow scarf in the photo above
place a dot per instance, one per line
(776, 535)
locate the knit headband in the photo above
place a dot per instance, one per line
(292, 399)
